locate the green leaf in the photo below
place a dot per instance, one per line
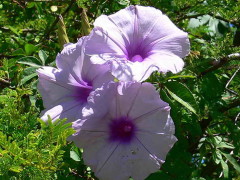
(232, 161)
(16, 169)
(124, 2)
(13, 29)
(165, 97)
(29, 70)
(187, 105)
(225, 169)
(74, 156)
(219, 143)
(43, 56)
(225, 145)
(27, 78)
(18, 52)
(181, 76)
(30, 4)
(31, 61)
(30, 49)
(217, 156)
(183, 95)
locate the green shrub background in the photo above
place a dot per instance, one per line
(204, 97)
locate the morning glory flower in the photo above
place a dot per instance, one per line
(126, 131)
(65, 89)
(136, 41)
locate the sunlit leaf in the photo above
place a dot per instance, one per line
(43, 56)
(183, 95)
(225, 169)
(232, 161)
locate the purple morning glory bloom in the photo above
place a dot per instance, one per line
(66, 89)
(136, 41)
(126, 131)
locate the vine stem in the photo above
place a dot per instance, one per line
(220, 63)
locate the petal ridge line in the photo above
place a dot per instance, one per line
(108, 158)
(67, 110)
(154, 156)
(121, 46)
(159, 108)
(134, 100)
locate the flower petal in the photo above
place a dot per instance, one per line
(124, 21)
(137, 31)
(98, 152)
(165, 62)
(70, 60)
(105, 160)
(53, 85)
(154, 129)
(156, 122)
(120, 161)
(111, 46)
(96, 74)
(146, 97)
(67, 109)
(157, 32)
(175, 44)
(125, 70)
(141, 161)
(157, 144)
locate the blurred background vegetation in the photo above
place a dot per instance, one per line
(204, 97)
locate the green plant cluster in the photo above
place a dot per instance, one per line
(204, 97)
(29, 148)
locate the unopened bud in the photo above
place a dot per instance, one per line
(62, 34)
(85, 23)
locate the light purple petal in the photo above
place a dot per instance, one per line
(70, 60)
(67, 109)
(105, 161)
(165, 62)
(149, 143)
(53, 86)
(159, 33)
(133, 161)
(77, 66)
(131, 71)
(66, 89)
(175, 44)
(96, 74)
(157, 144)
(147, 96)
(142, 161)
(123, 22)
(88, 135)
(134, 36)
(111, 46)
(125, 70)
(115, 161)
(97, 150)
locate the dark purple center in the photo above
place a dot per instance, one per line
(137, 51)
(122, 130)
(82, 92)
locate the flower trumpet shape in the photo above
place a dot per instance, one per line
(126, 131)
(65, 89)
(136, 41)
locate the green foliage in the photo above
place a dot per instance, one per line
(29, 148)
(204, 97)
